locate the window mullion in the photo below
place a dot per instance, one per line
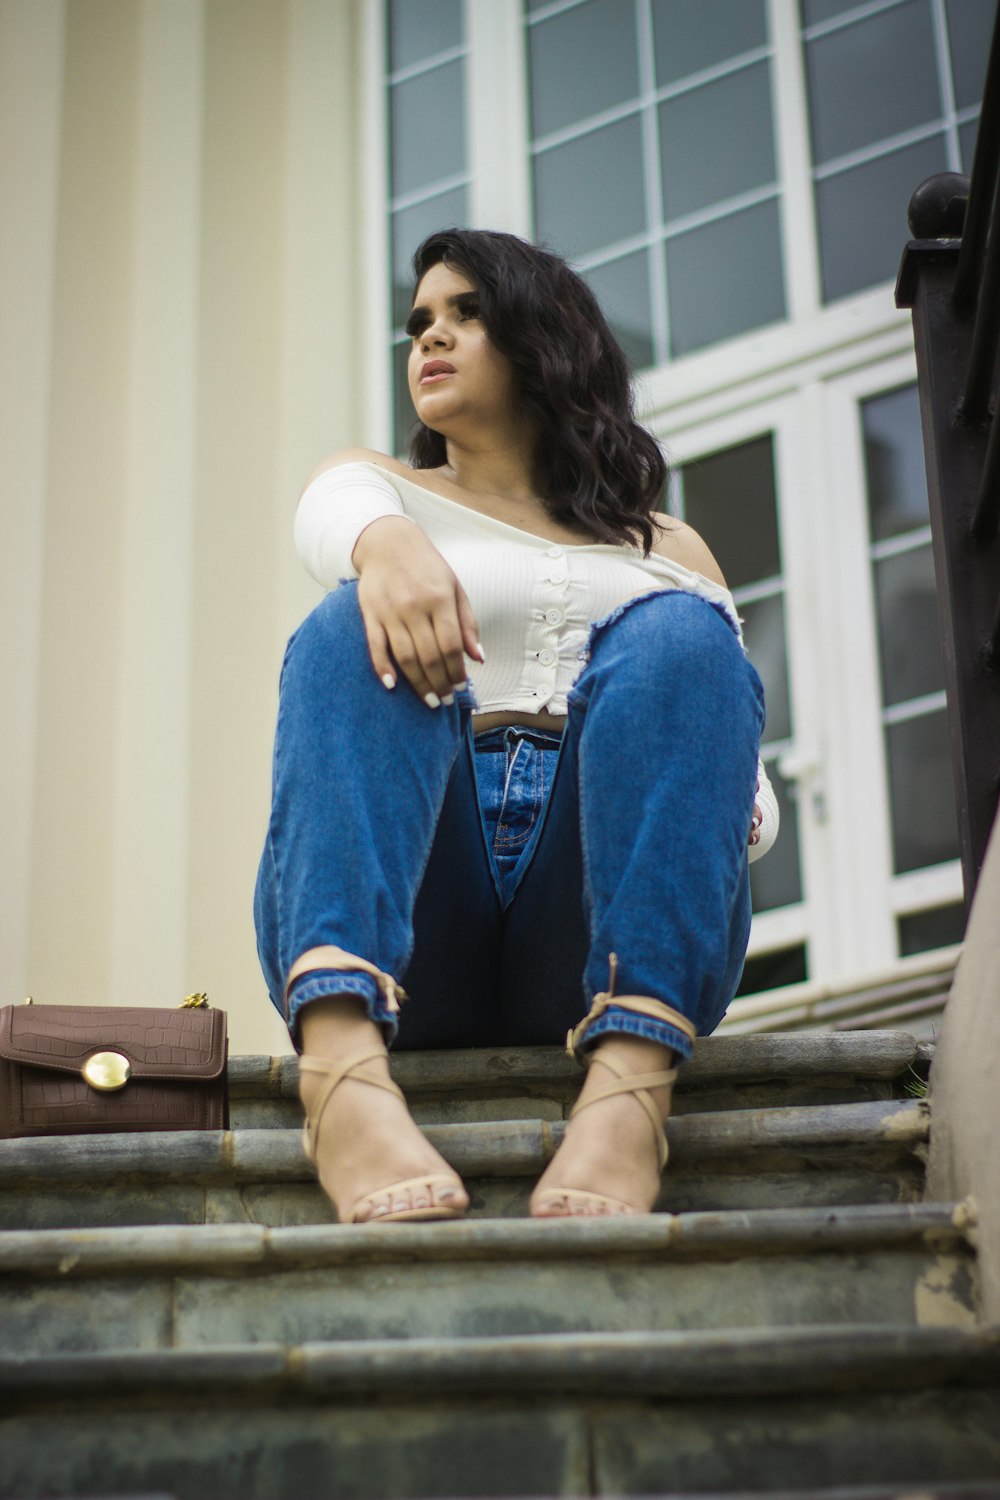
(792, 136)
(656, 264)
(497, 117)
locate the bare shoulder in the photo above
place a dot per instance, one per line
(682, 544)
(357, 456)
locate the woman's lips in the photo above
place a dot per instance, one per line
(435, 370)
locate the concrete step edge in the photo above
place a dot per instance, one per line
(963, 1489)
(864, 1054)
(728, 1363)
(514, 1148)
(224, 1249)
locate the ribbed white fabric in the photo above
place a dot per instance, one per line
(534, 600)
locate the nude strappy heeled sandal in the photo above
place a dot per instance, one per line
(354, 1067)
(579, 1200)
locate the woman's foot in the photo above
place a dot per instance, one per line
(370, 1156)
(609, 1161)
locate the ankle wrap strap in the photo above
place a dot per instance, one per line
(640, 1005)
(329, 957)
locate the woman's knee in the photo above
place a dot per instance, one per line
(666, 634)
(331, 637)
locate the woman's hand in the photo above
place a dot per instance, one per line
(416, 613)
(755, 822)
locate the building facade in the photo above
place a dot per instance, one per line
(204, 292)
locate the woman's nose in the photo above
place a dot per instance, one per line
(434, 334)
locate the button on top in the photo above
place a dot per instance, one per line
(546, 657)
(554, 552)
(554, 616)
(557, 577)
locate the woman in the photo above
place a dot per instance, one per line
(516, 760)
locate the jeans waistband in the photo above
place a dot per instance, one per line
(503, 735)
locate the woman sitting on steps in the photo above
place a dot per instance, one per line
(516, 766)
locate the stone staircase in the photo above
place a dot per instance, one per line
(180, 1316)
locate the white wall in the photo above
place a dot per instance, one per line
(180, 292)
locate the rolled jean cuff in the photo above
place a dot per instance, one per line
(324, 984)
(615, 1022)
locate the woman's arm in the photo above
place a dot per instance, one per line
(351, 523)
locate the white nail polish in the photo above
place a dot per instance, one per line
(388, 680)
(448, 700)
(480, 652)
(432, 700)
(460, 687)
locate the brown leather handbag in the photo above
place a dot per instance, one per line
(88, 1069)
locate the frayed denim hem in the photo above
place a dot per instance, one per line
(617, 1022)
(599, 626)
(323, 984)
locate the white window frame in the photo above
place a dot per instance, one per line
(849, 547)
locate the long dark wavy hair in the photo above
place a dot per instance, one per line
(594, 466)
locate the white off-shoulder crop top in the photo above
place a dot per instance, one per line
(534, 600)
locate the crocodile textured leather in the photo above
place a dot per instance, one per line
(177, 1057)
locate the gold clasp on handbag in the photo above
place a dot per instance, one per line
(197, 1001)
(107, 1071)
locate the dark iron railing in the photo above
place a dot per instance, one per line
(950, 277)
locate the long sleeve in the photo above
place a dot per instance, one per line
(333, 512)
(768, 804)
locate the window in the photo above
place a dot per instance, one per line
(427, 148)
(652, 145)
(914, 716)
(894, 90)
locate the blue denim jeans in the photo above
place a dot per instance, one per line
(493, 875)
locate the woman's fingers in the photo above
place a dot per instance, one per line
(471, 644)
(378, 650)
(408, 659)
(418, 628)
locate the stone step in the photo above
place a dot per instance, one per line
(612, 1414)
(725, 1073)
(826, 1155)
(157, 1288)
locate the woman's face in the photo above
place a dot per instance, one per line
(456, 376)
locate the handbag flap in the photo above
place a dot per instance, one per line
(158, 1043)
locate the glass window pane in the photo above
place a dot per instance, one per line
(894, 463)
(909, 635)
(970, 27)
(768, 971)
(581, 62)
(764, 634)
(571, 214)
(428, 144)
(862, 217)
(410, 226)
(860, 91)
(729, 500)
(938, 928)
(725, 278)
(420, 31)
(622, 289)
(924, 828)
(815, 11)
(776, 880)
(717, 141)
(689, 35)
(967, 143)
(404, 415)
